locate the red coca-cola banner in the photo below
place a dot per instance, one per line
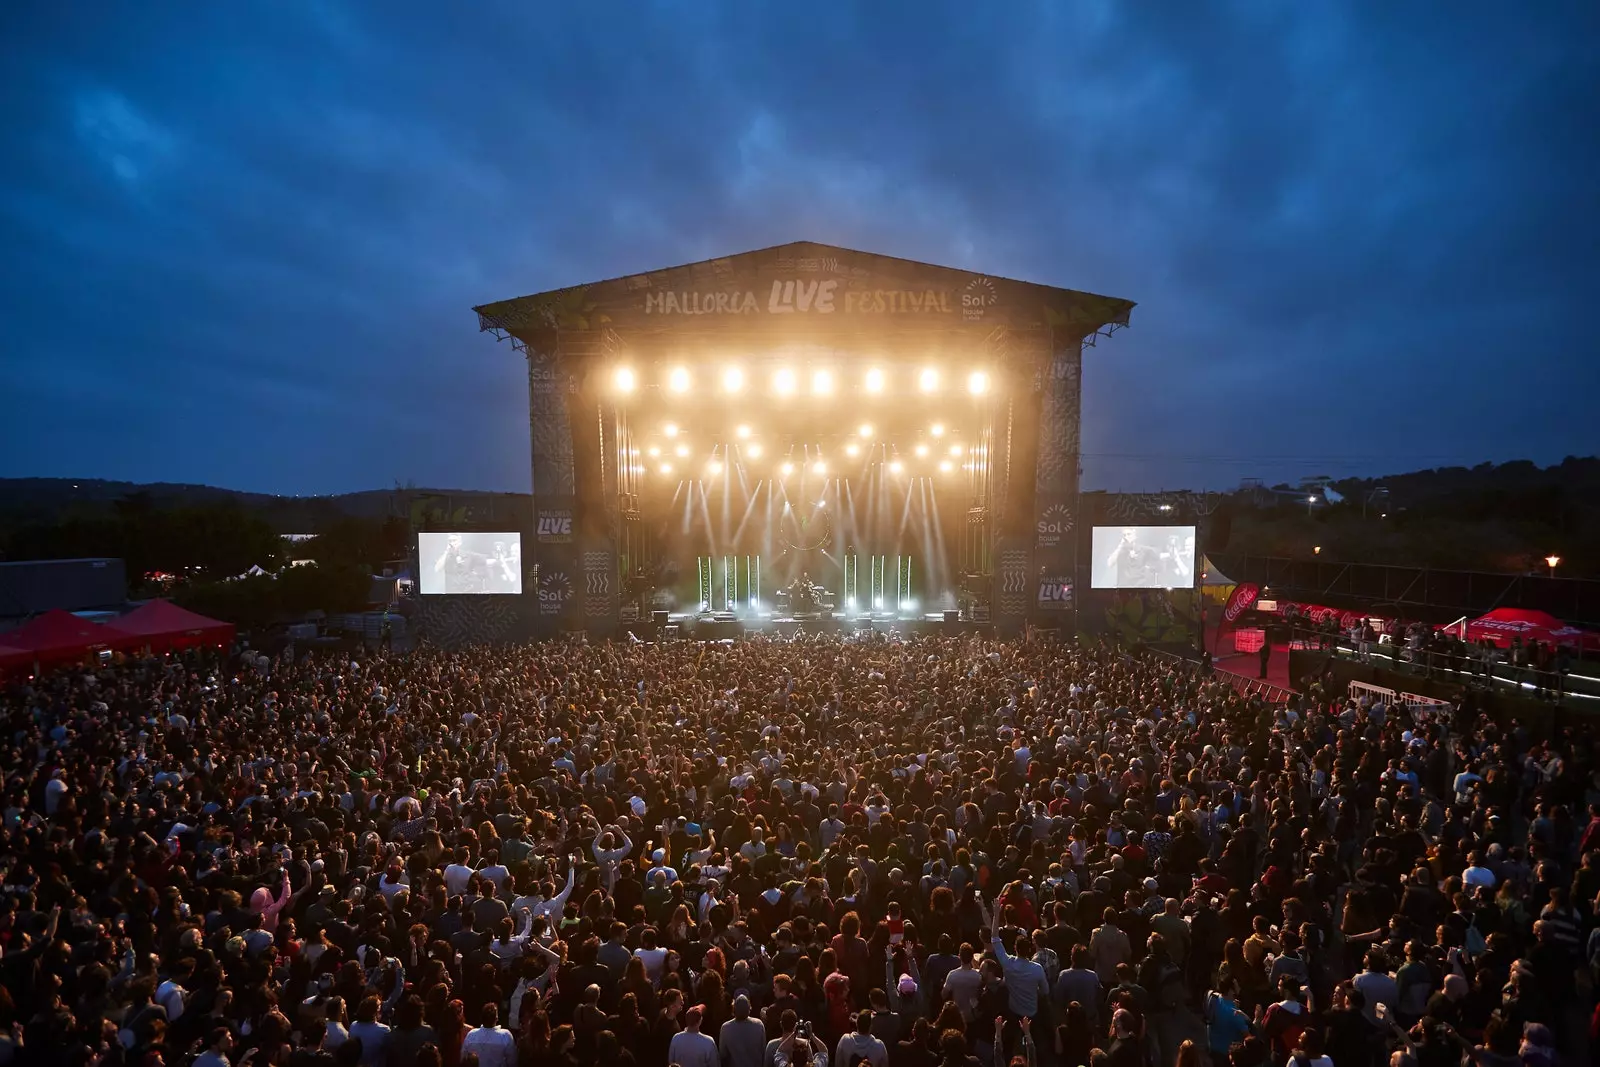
(1240, 601)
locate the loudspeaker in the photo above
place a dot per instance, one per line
(659, 618)
(952, 616)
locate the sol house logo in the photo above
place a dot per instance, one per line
(555, 589)
(1054, 524)
(979, 296)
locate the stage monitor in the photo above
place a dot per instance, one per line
(469, 563)
(1142, 557)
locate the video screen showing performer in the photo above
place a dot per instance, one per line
(469, 563)
(1142, 557)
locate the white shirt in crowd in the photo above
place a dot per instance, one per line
(456, 878)
(494, 1045)
(691, 1048)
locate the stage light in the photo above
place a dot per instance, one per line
(682, 450)
(921, 451)
(874, 381)
(895, 467)
(652, 452)
(666, 468)
(864, 431)
(678, 380)
(624, 380)
(819, 467)
(821, 383)
(850, 602)
(946, 466)
(955, 450)
(787, 469)
(937, 429)
(783, 382)
(908, 605)
(977, 383)
(670, 429)
(742, 432)
(732, 379)
(877, 601)
(928, 380)
(753, 451)
(714, 467)
(851, 449)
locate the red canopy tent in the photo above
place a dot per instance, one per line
(58, 636)
(11, 656)
(162, 626)
(1503, 624)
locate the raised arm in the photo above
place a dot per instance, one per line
(559, 902)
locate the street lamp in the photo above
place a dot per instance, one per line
(1552, 561)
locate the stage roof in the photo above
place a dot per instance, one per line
(804, 292)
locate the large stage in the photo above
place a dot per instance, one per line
(904, 435)
(898, 432)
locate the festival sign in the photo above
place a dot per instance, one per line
(806, 281)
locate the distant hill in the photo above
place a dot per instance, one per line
(1502, 517)
(1577, 475)
(44, 500)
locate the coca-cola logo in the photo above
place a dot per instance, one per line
(1242, 599)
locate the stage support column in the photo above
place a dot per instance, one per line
(1055, 497)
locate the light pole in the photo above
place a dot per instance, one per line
(1552, 561)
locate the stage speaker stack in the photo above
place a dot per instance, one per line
(952, 616)
(658, 618)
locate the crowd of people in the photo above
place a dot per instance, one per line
(779, 853)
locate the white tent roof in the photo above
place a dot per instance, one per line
(1212, 575)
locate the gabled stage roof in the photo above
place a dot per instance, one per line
(813, 291)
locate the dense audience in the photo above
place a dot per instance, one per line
(773, 853)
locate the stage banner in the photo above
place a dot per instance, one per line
(1056, 482)
(557, 605)
(1242, 600)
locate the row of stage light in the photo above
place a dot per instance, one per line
(786, 381)
(747, 451)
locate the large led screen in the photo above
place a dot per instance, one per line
(469, 563)
(1142, 557)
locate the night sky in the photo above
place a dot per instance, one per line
(239, 243)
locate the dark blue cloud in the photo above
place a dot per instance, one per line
(238, 242)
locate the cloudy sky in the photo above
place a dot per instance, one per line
(239, 242)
